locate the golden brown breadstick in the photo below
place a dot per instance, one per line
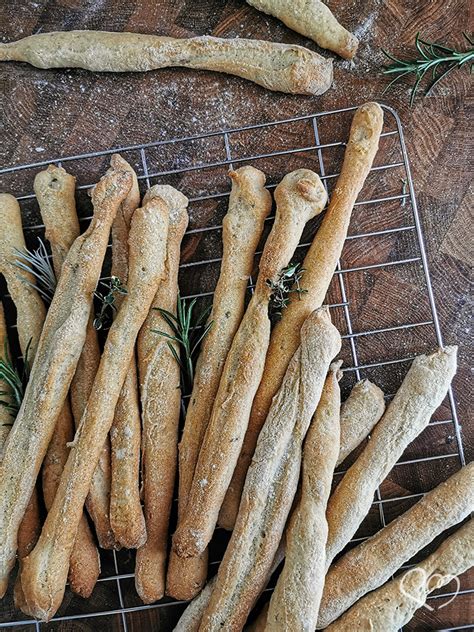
(299, 197)
(281, 67)
(319, 266)
(126, 515)
(272, 479)
(249, 205)
(359, 414)
(6, 417)
(313, 19)
(370, 564)
(45, 569)
(60, 345)
(390, 607)
(161, 401)
(295, 601)
(420, 394)
(54, 190)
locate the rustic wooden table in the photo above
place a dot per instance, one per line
(53, 113)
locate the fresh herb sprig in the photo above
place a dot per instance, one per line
(436, 59)
(188, 333)
(107, 302)
(15, 380)
(38, 263)
(288, 283)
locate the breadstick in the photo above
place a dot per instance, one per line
(420, 394)
(370, 564)
(54, 189)
(299, 197)
(359, 414)
(295, 601)
(249, 205)
(394, 604)
(6, 417)
(45, 570)
(59, 348)
(280, 67)
(161, 406)
(319, 266)
(272, 479)
(313, 19)
(126, 515)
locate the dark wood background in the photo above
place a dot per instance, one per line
(52, 113)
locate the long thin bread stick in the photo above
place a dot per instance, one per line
(319, 265)
(299, 197)
(6, 416)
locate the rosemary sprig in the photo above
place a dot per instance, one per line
(107, 302)
(15, 379)
(187, 334)
(436, 59)
(288, 283)
(37, 263)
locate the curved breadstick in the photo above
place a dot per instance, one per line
(299, 197)
(6, 418)
(420, 394)
(59, 348)
(249, 205)
(126, 515)
(272, 479)
(295, 601)
(369, 565)
(281, 67)
(161, 402)
(54, 189)
(319, 266)
(45, 569)
(359, 414)
(389, 608)
(313, 19)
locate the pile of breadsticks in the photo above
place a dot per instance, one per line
(275, 66)
(95, 436)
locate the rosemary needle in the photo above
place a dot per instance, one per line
(15, 380)
(37, 263)
(107, 302)
(288, 283)
(436, 59)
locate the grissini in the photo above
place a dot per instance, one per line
(249, 204)
(45, 570)
(295, 601)
(55, 189)
(313, 19)
(31, 313)
(299, 197)
(420, 394)
(319, 265)
(272, 479)
(280, 67)
(370, 564)
(58, 351)
(6, 417)
(390, 607)
(126, 514)
(161, 406)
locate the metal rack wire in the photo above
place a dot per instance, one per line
(235, 152)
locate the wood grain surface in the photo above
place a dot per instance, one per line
(46, 114)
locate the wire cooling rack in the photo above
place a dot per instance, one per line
(381, 299)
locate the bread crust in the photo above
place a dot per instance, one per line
(319, 265)
(45, 570)
(299, 197)
(370, 564)
(312, 19)
(59, 348)
(295, 601)
(249, 205)
(126, 515)
(394, 604)
(272, 479)
(161, 406)
(281, 67)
